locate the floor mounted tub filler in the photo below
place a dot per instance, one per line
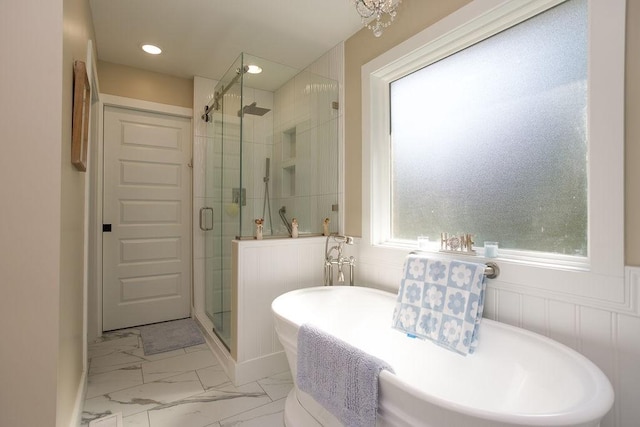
(514, 378)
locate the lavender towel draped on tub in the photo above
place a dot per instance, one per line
(342, 378)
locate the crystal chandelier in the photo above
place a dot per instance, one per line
(377, 14)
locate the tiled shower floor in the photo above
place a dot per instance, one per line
(181, 388)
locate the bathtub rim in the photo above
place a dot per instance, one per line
(594, 409)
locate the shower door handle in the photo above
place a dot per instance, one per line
(203, 219)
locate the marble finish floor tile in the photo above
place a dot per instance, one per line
(213, 376)
(137, 420)
(109, 382)
(181, 388)
(146, 396)
(277, 386)
(201, 347)
(124, 357)
(204, 409)
(158, 369)
(269, 415)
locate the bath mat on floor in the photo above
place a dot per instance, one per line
(167, 336)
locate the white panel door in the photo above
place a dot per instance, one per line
(147, 202)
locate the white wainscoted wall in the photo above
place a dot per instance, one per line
(608, 337)
(266, 269)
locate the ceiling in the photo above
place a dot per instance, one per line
(204, 37)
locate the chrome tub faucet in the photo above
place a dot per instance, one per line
(339, 260)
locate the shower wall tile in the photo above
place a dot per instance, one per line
(302, 213)
(248, 165)
(199, 165)
(314, 215)
(198, 291)
(248, 95)
(318, 143)
(263, 98)
(203, 92)
(303, 161)
(336, 63)
(285, 106)
(261, 153)
(321, 65)
(325, 203)
(302, 96)
(198, 234)
(341, 171)
(213, 166)
(248, 132)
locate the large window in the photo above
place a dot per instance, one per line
(505, 120)
(492, 140)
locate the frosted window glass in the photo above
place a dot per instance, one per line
(493, 139)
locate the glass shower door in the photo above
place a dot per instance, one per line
(214, 306)
(224, 196)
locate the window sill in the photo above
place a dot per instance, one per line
(557, 280)
(525, 258)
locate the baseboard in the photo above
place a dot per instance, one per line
(78, 407)
(261, 367)
(244, 372)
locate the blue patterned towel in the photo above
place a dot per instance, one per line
(442, 301)
(342, 378)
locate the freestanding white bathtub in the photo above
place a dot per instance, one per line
(515, 377)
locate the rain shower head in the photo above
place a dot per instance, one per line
(253, 109)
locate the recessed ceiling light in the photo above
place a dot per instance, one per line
(153, 50)
(254, 69)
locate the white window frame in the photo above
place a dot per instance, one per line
(598, 279)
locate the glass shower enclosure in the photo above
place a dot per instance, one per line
(273, 157)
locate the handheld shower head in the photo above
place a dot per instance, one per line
(343, 239)
(266, 172)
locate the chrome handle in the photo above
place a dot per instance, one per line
(203, 222)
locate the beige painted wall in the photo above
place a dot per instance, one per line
(42, 229)
(414, 16)
(31, 36)
(78, 30)
(632, 135)
(121, 80)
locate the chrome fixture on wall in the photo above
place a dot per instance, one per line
(253, 109)
(377, 14)
(340, 260)
(282, 211)
(491, 271)
(214, 105)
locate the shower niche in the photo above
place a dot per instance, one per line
(288, 185)
(272, 155)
